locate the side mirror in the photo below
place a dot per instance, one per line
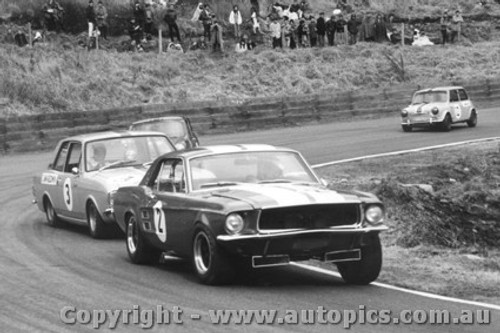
(75, 170)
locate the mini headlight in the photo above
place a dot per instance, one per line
(374, 214)
(435, 110)
(180, 145)
(404, 113)
(234, 223)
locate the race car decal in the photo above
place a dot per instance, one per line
(458, 111)
(160, 223)
(49, 179)
(67, 194)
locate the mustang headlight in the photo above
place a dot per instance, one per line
(435, 110)
(234, 223)
(404, 113)
(374, 214)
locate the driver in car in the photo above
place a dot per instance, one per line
(98, 159)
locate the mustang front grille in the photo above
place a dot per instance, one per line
(310, 217)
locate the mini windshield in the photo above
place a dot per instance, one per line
(124, 151)
(430, 97)
(249, 167)
(173, 128)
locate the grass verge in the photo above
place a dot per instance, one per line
(443, 210)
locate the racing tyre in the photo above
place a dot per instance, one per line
(52, 219)
(211, 263)
(139, 251)
(368, 268)
(446, 124)
(407, 128)
(472, 122)
(97, 228)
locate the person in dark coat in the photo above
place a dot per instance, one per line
(136, 34)
(139, 14)
(171, 20)
(313, 33)
(331, 27)
(380, 30)
(206, 20)
(340, 30)
(353, 29)
(216, 32)
(321, 29)
(91, 17)
(444, 24)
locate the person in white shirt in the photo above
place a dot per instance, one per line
(236, 20)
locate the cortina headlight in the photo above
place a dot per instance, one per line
(404, 113)
(234, 223)
(374, 214)
(435, 110)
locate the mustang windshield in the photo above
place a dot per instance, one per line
(173, 128)
(249, 167)
(429, 97)
(124, 151)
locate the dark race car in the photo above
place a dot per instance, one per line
(257, 204)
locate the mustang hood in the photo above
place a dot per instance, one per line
(282, 195)
(114, 178)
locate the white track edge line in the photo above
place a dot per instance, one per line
(388, 286)
(408, 291)
(415, 150)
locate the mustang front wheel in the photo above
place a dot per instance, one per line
(211, 263)
(139, 251)
(368, 268)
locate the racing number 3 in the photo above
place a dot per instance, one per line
(160, 223)
(68, 196)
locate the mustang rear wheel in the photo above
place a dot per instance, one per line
(446, 124)
(97, 228)
(368, 268)
(52, 219)
(472, 122)
(139, 251)
(211, 263)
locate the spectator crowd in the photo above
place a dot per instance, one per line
(287, 25)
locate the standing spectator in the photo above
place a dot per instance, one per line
(53, 15)
(101, 16)
(301, 33)
(171, 20)
(275, 28)
(216, 32)
(197, 12)
(321, 29)
(340, 30)
(353, 29)
(91, 17)
(255, 21)
(313, 33)
(444, 23)
(206, 20)
(236, 20)
(293, 34)
(331, 27)
(148, 20)
(380, 30)
(456, 26)
(136, 34)
(285, 32)
(139, 14)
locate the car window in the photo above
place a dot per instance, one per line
(453, 96)
(61, 157)
(75, 154)
(463, 95)
(437, 96)
(174, 128)
(171, 177)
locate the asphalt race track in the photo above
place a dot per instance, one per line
(43, 270)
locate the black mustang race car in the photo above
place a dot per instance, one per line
(225, 205)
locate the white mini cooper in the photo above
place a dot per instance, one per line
(441, 107)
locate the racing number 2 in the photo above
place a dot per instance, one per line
(160, 223)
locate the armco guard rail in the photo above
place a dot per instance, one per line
(41, 132)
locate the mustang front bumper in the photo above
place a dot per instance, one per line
(299, 244)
